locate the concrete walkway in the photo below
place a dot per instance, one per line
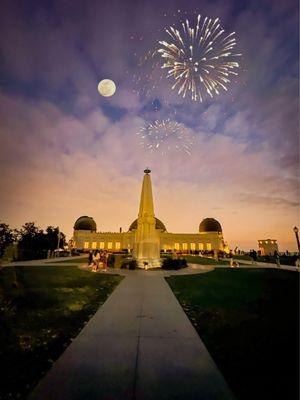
(139, 345)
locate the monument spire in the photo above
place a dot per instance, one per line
(146, 202)
(147, 243)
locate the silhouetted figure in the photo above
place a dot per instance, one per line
(96, 259)
(103, 259)
(253, 256)
(231, 258)
(277, 258)
(90, 257)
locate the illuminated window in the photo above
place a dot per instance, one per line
(208, 246)
(201, 246)
(101, 245)
(193, 246)
(184, 246)
(86, 245)
(118, 245)
(109, 245)
(176, 246)
(94, 245)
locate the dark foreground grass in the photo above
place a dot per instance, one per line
(248, 320)
(41, 310)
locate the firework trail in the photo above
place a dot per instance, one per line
(165, 136)
(148, 75)
(200, 58)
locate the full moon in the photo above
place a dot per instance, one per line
(106, 87)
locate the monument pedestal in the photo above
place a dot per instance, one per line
(147, 263)
(147, 248)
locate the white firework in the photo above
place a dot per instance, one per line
(165, 136)
(200, 59)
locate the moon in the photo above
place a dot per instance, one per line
(106, 87)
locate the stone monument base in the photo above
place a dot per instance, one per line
(146, 263)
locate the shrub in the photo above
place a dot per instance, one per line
(169, 263)
(129, 264)
(132, 264)
(111, 261)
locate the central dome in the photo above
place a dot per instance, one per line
(158, 225)
(210, 225)
(85, 223)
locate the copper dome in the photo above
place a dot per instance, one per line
(158, 225)
(85, 223)
(210, 225)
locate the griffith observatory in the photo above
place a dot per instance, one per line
(147, 236)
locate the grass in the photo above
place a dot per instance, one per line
(242, 257)
(41, 310)
(248, 320)
(204, 260)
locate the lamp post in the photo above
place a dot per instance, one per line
(296, 230)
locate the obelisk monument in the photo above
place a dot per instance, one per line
(147, 242)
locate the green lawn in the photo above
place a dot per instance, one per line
(41, 310)
(242, 257)
(248, 320)
(204, 260)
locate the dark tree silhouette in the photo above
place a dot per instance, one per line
(34, 242)
(7, 237)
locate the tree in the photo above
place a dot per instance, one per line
(52, 236)
(35, 242)
(7, 237)
(30, 237)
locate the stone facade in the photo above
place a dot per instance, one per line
(267, 247)
(115, 242)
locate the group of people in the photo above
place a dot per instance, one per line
(98, 259)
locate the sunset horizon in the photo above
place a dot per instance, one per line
(67, 150)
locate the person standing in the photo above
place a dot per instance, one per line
(96, 259)
(90, 258)
(231, 258)
(277, 258)
(253, 256)
(103, 260)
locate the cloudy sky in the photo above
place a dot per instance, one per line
(66, 151)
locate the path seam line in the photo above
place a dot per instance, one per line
(135, 378)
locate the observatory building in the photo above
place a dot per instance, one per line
(147, 236)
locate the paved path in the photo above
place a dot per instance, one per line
(139, 345)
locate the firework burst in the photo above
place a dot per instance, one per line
(200, 59)
(165, 136)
